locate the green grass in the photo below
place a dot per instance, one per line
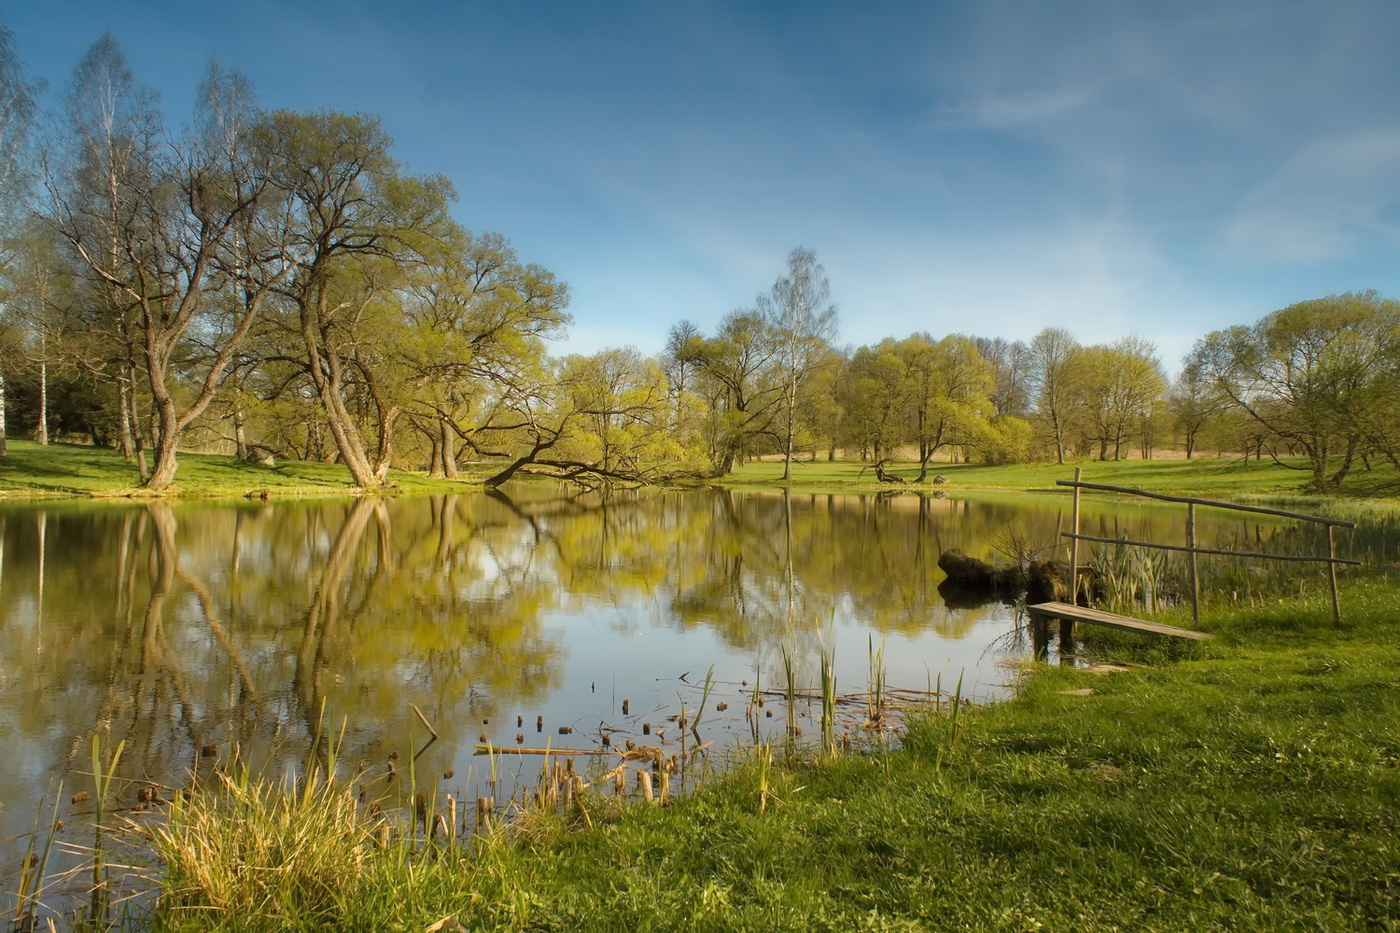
(1250, 783)
(32, 471)
(71, 470)
(1202, 476)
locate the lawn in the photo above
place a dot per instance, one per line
(31, 470)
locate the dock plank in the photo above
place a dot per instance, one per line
(1072, 613)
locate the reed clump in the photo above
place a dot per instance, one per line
(246, 846)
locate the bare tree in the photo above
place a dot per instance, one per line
(798, 309)
(171, 233)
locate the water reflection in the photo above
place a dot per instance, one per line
(192, 630)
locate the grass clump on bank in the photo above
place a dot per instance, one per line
(1249, 784)
(31, 471)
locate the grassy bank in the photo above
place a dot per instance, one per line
(1203, 476)
(33, 471)
(1252, 783)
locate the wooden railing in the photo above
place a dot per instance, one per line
(1331, 558)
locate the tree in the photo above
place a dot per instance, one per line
(602, 419)
(1052, 353)
(96, 189)
(479, 320)
(1193, 402)
(743, 388)
(1312, 375)
(356, 221)
(952, 387)
(881, 396)
(799, 312)
(17, 110)
(1116, 388)
(1010, 361)
(176, 233)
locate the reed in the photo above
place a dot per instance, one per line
(790, 695)
(956, 731)
(704, 699)
(875, 697)
(828, 722)
(34, 869)
(249, 846)
(101, 895)
(755, 705)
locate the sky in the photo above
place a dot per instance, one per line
(990, 168)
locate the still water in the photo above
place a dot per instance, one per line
(192, 632)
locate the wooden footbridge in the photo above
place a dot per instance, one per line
(1041, 615)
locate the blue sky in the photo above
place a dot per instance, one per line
(992, 168)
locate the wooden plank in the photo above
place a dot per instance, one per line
(1110, 620)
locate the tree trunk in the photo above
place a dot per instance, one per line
(41, 433)
(435, 454)
(923, 467)
(449, 451)
(324, 366)
(125, 444)
(792, 402)
(240, 437)
(133, 425)
(167, 433)
(4, 452)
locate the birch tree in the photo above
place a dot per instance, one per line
(799, 312)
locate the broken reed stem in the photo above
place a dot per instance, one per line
(424, 720)
(485, 810)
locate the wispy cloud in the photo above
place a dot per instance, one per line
(1034, 106)
(1328, 199)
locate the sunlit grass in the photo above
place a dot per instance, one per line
(1201, 476)
(1251, 783)
(69, 470)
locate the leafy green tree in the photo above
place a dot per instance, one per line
(1052, 353)
(952, 388)
(601, 419)
(742, 385)
(881, 397)
(479, 322)
(1115, 388)
(1312, 375)
(1192, 402)
(356, 221)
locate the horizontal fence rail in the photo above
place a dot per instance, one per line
(1234, 506)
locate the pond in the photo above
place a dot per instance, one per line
(199, 631)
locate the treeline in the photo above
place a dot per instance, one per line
(276, 283)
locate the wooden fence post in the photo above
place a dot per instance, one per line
(1332, 574)
(1195, 571)
(1074, 546)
